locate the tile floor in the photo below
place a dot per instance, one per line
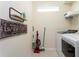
(46, 54)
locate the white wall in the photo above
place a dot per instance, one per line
(75, 21)
(19, 45)
(53, 21)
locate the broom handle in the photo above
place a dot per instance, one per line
(33, 33)
(44, 36)
(33, 28)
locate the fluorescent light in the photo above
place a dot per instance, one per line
(47, 10)
(52, 9)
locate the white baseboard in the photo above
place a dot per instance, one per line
(50, 49)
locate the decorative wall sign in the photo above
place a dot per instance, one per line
(9, 28)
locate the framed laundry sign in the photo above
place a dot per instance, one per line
(16, 15)
(9, 28)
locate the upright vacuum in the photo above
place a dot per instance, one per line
(38, 43)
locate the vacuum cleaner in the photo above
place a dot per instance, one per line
(38, 43)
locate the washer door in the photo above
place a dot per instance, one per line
(67, 49)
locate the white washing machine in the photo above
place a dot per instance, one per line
(71, 40)
(68, 45)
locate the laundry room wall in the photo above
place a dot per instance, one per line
(75, 21)
(19, 45)
(53, 21)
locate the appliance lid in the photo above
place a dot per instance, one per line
(72, 37)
